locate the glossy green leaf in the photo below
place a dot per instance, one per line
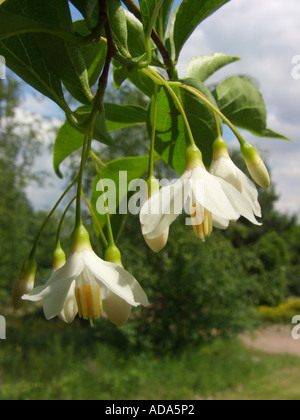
(118, 24)
(163, 17)
(63, 57)
(44, 59)
(94, 54)
(136, 37)
(122, 172)
(142, 82)
(171, 141)
(188, 16)
(204, 66)
(23, 55)
(69, 139)
(122, 116)
(149, 10)
(100, 133)
(89, 10)
(243, 104)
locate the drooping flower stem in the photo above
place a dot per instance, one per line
(215, 110)
(158, 80)
(103, 238)
(38, 237)
(152, 147)
(111, 241)
(219, 134)
(62, 220)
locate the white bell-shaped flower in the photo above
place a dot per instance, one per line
(89, 286)
(158, 243)
(222, 166)
(212, 201)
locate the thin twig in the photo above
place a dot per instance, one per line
(136, 11)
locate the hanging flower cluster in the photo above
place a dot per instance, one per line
(214, 198)
(88, 286)
(92, 287)
(212, 195)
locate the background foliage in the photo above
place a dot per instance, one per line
(197, 291)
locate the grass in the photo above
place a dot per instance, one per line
(48, 361)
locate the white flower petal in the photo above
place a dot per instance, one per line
(249, 191)
(209, 192)
(159, 243)
(70, 308)
(116, 309)
(163, 208)
(116, 279)
(220, 223)
(239, 202)
(227, 170)
(55, 292)
(55, 302)
(72, 269)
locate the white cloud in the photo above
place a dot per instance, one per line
(41, 197)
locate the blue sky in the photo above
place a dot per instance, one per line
(265, 34)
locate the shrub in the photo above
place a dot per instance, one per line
(280, 314)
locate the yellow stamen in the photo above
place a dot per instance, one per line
(89, 301)
(204, 228)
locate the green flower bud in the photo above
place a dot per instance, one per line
(59, 258)
(25, 282)
(256, 166)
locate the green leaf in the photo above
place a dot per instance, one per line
(201, 118)
(136, 77)
(163, 17)
(171, 141)
(204, 66)
(122, 116)
(44, 59)
(23, 56)
(136, 39)
(121, 172)
(89, 10)
(101, 134)
(69, 139)
(63, 57)
(243, 104)
(188, 16)
(120, 75)
(94, 55)
(118, 24)
(149, 10)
